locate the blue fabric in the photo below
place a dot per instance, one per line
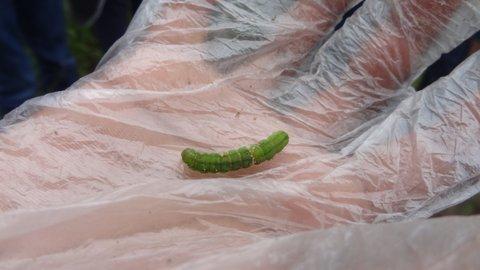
(40, 26)
(114, 20)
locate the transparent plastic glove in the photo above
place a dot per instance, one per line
(190, 45)
(100, 163)
(446, 243)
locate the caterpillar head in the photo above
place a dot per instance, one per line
(188, 156)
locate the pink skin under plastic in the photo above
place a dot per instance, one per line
(123, 176)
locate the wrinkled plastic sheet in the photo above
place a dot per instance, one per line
(91, 177)
(444, 243)
(447, 243)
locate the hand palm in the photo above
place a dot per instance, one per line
(169, 90)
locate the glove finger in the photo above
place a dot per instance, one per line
(362, 71)
(424, 156)
(190, 44)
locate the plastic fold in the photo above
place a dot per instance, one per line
(92, 178)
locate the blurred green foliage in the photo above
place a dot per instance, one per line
(83, 44)
(469, 207)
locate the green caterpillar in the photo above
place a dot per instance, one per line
(233, 160)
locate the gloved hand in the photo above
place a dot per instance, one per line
(102, 160)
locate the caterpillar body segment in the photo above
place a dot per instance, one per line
(233, 160)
